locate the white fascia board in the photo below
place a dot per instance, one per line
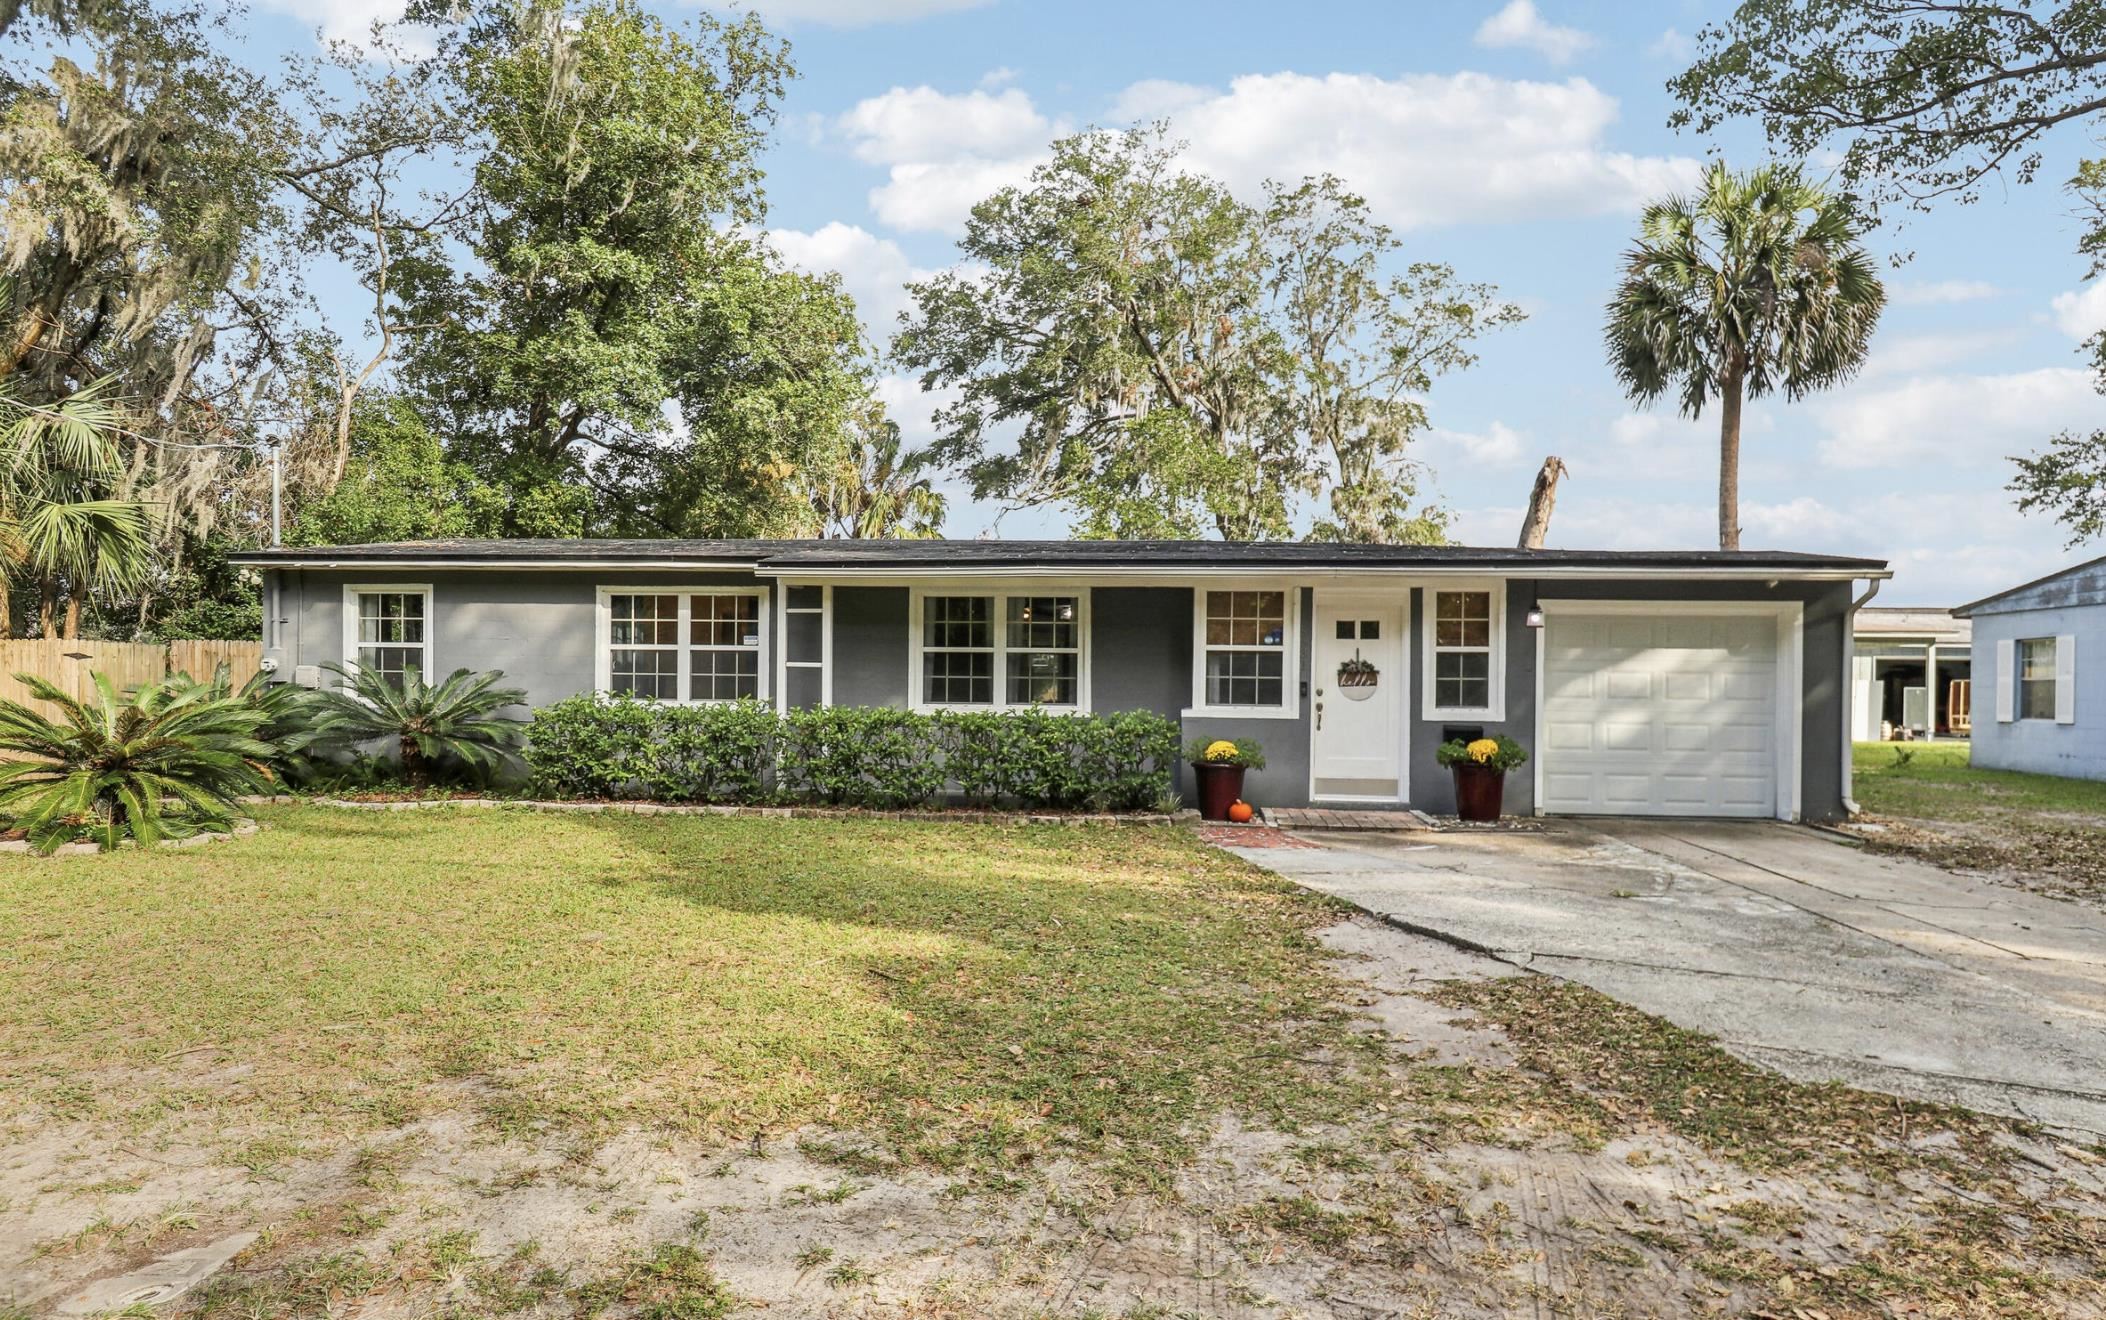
(1290, 575)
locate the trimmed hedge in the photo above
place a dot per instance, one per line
(745, 752)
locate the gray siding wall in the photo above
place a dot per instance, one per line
(539, 627)
(2077, 751)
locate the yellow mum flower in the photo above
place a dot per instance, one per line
(1484, 749)
(1221, 749)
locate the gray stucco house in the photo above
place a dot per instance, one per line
(1642, 682)
(2040, 655)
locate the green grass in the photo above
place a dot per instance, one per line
(1933, 781)
(969, 994)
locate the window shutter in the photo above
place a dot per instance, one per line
(2006, 681)
(2066, 679)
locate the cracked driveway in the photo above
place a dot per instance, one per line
(1796, 951)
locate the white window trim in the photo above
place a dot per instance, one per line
(353, 590)
(1290, 707)
(917, 614)
(603, 634)
(1495, 688)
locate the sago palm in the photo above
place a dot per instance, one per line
(1758, 283)
(457, 720)
(107, 768)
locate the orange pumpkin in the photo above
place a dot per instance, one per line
(1240, 812)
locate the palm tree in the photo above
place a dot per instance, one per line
(110, 766)
(1756, 284)
(879, 492)
(456, 720)
(56, 519)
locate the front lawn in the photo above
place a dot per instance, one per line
(1926, 800)
(974, 994)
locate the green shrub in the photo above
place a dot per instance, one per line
(592, 747)
(1126, 760)
(589, 747)
(861, 756)
(712, 753)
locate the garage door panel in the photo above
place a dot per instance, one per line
(1671, 714)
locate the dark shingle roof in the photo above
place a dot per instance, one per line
(870, 556)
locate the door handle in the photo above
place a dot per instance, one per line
(1319, 715)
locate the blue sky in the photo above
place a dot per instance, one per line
(1516, 141)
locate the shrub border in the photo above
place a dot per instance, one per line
(956, 816)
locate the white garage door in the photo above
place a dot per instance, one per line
(1668, 714)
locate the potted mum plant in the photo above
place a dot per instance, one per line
(1217, 767)
(1480, 768)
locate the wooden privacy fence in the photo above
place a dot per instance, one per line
(69, 666)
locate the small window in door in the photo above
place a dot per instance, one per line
(1371, 630)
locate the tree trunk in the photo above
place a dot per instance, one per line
(7, 621)
(1541, 500)
(412, 762)
(1729, 462)
(47, 608)
(72, 616)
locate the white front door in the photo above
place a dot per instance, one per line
(1356, 746)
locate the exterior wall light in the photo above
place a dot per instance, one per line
(1535, 617)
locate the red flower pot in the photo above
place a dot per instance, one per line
(1478, 791)
(1219, 787)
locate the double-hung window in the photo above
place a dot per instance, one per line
(2036, 678)
(997, 650)
(682, 646)
(1463, 674)
(388, 630)
(1245, 661)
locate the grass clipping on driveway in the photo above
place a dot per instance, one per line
(973, 995)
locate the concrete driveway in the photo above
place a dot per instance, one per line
(1795, 950)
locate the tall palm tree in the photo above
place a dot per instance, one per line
(57, 520)
(880, 491)
(1758, 283)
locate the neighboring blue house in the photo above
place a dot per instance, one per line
(2040, 667)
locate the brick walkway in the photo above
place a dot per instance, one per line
(1328, 818)
(1249, 836)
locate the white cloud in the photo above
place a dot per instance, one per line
(873, 270)
(1955, 420)
(1518, 24)
(944, 151)
(1923, 293)
(1429, 149)
(1425, 149)
(1671, 45)
(352, 21)
(1911, 354)
(859, 13)
(1497, 446)
(2081, 313)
